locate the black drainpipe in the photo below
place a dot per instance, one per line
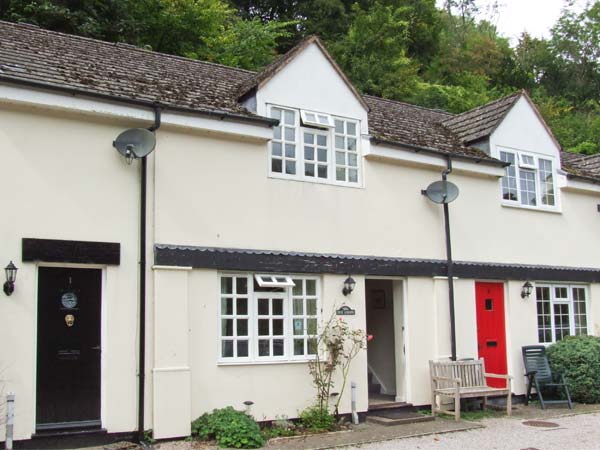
(142, 349)
(450, 267)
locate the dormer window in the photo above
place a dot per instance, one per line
(317, 147)
(528, 181)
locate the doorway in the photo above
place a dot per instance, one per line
(68, 348)
(491, 333)
(385, 352)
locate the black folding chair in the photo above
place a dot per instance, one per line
(539, 375)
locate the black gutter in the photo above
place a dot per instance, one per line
(433, 151)
(220, 115)
(142, 343)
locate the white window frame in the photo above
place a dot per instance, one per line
(520, 166)
(306, 121)
(271, 280)
(331, 163)
(253, 337)
(563, 301)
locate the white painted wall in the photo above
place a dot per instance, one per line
(63, 180)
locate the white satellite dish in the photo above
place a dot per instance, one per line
(441, 192)
(135, 143)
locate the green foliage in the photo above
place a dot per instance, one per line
(578, 359)
(281, 427)
(148, 438)
(317, 420)
(229, 427)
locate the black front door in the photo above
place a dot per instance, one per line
(68, 348)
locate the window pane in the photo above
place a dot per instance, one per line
(543, 312)
(276, 165)
(298, 307)
(339, 142)
(352, 161)
(311, 287)
(263, 347)
(322, 155)
(340, 174)
(290, 151)
(299, 347)
(546, 182)
(277, 327)
(352, 175)
(227, 349)
(226, 306)
(276, 148)
(290, 134)
(263, 306)
(263, 327)
(322, 171)
(299, 327)
(242, 306)
(278, 347)
(277, 133)
(276, 113)
(309, 138)
(241, 285)
(351, 128)
(242, 327)
(561, 321)
(311, 117)
(351, 144)
(309, 170)
(509, 181)
(340, 158)
(289, 117)
(311, 327)
(339, 126)
(226, 285)
(321, 140)
(290, 167)
(277, 307)
(242, 348)
(311, 307)
(309, 153)
(312, 346)
(227, 327)
(297, 287)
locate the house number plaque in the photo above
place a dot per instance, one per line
(345, 311)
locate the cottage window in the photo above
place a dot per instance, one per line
(528, 180)
(318, 148)
(274, 319)
(561, 311)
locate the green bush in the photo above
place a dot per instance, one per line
(229, 427)
(578, 359)
(317, 420)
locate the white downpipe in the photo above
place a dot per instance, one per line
(354, 413)
(10, 420)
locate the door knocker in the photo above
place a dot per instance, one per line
(69, 320)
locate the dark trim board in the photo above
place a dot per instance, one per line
(296, 262)
(62, 251)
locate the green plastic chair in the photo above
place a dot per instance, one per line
(539, 375)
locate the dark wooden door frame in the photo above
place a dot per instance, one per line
(82, 424)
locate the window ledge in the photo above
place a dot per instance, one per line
(531, 208)
(315, 181)
(263, 363)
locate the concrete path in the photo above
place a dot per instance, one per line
(577, 432)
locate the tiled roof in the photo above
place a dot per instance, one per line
(581, 165)
(31, 53)
(121, 71)
(480, 122)
(393, 121)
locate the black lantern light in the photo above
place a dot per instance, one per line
(348, 285)
(11, 275)
(526, 290)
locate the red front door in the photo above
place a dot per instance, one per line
(491, 334)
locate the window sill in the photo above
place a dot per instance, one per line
(531, 208)
(263, 363)
(358, 185)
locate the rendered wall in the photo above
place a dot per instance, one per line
(63, 180)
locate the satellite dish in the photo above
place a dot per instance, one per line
(135, 143)
(441, 192)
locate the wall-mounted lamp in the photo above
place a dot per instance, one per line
(348, 285)
(526, 290)
(11, 276)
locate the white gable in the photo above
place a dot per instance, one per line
(523, 130)
(309, 81)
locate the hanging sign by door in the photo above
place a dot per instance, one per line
(345, 311)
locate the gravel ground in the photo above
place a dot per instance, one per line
(581, 432)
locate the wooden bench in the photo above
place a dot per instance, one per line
(463, 379)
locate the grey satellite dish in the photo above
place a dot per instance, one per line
(135, 143)
(441, 191)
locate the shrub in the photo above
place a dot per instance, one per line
(578, 359)
(316, 419)
(229, 427)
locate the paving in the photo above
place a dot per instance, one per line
(550, 429)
